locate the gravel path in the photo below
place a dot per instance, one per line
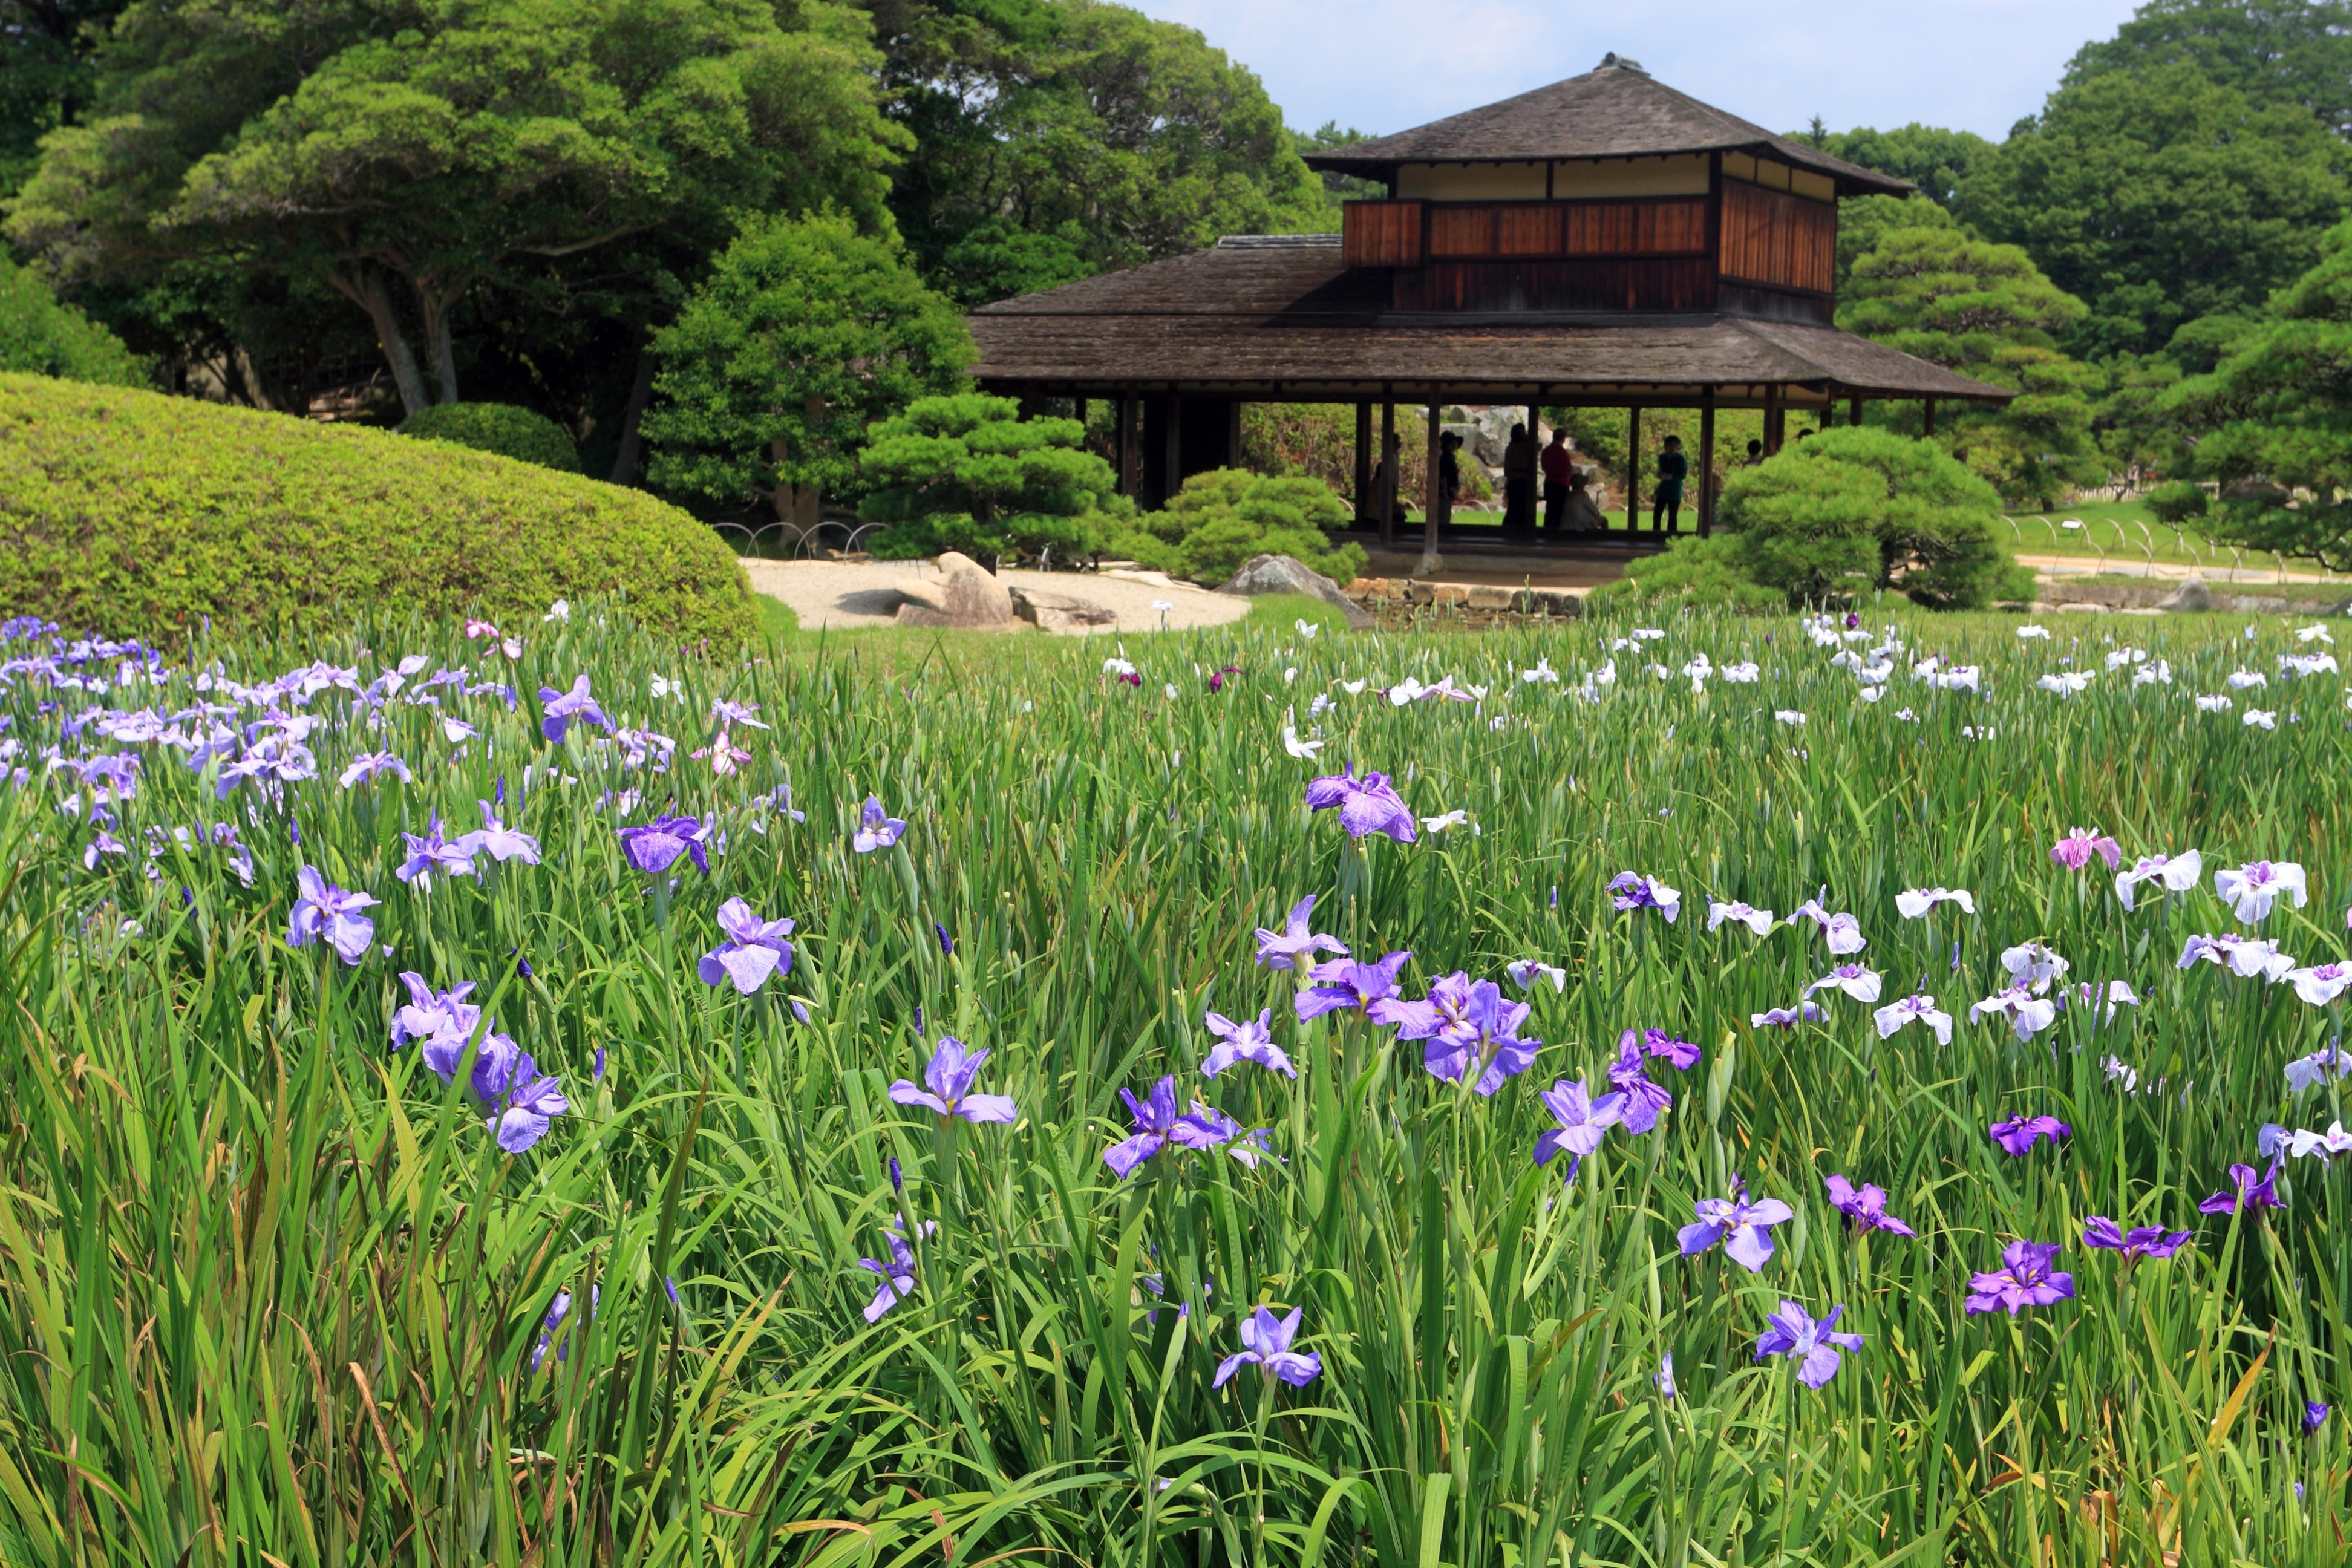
(844, 594)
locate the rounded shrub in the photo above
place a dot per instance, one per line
(132, 513)
(42, 337)
(501, 427)
(2178, 500)
(1218, 520)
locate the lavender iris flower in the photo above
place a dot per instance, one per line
(2309, 1072)
(559, 1310)
(1487, 1041)
(1628, 891)
(2303, 1142)
(1295, 944)
(2089, 994)
(1841, 932)
(1644, 1100)
(1665, 1379)
(654, 847)
(1583, 1121)
(1786, 1018)
(2027, 1014)
(500, 842)
(2242, 956)
(1682, 1054)
(1856, 982)
(876, 828)
(754, 949)
(1525, 972)
(2020, 1133)
(897, 1275)
(1445, 1010)
(523, 1102)
(2177, 873)
(1864, 1206)
(433, 853)
(1916, 902)
(322, 909)
(1755, 920)
(1920, 1009)
(440, 1022)
(2024, 1280)
(952, 1067)
(1246, 1041)
(1367, 805)
(2253, 888)
(2322, 982)
(2315, 1416)
(2075, 850)
(367, 766)
(2144, 1241)
(560, 708)
(1155, 1121)
(1742, 1226)
(1266, 1339)
(1342, 983)
(2245, 1192)
(2033, 966)
(1813, 1345)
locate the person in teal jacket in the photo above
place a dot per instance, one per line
(1672, 469)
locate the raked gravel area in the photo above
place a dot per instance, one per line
(846, 595)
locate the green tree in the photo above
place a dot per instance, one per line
(499, 427)
(1213, 527)
(47, 74)
(2272, 51)
(2273, 420)
(1930, 157)
(967, 472)
(404, 156)
(2157, 195)
(1985, 312)
(1863, 221)
(42, 337)
(806, 332)
(1053, 138)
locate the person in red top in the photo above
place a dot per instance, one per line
(1559, 466)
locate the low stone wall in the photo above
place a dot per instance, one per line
(1554, 604)
(2187, 595)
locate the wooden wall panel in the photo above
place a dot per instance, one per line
(1597, 284)
(1381, 234)
(1775, 239)
(1528, 231)
(1387, 234)
(1461, 231)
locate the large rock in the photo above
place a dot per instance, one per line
(2192, 597)
(962, 596)
(1059, 612)
(1264, 575)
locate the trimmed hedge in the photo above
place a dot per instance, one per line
(501, 427)
(41, 337)
(132, 513)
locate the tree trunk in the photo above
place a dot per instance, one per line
(437, 348)
(371, 295)
(641, 391)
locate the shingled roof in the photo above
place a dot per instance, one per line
(1616, 111)
(1288, 321)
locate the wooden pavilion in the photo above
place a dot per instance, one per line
(1605, 241)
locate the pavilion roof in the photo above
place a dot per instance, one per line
(1281, 317)
(1616, 111)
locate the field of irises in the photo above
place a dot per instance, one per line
(1845, 1091)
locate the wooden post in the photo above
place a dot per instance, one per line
(1634, 472)
(1431, 494)
(1363, 464)
(1929, 406)
(1853, 410)
(1387, 497)
(1233, 433)
(1172, 476)
(1082, 410)
(1128, 448)
(1706, 465)
(1775, 421)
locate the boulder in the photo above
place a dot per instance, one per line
(1262, 575)
(1059, 612)
(2192, 597)
(962, 596)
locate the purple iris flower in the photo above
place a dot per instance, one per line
(433, 853)
(2315, 1416)
(2143, 1241)
(1341, 983)
(1266, 1339)
(1583, 1121)
(1815, 1346)
(366, 766)
(1367, 805)
(1155, 1121)
(1487, 1041)
(1865, 1207)
(754, 949)
(322, 909)
(562, 707)
(2245, 1192)
(500, 842)
(876, 828)
(654, 847)
(1739, 1224)
(897, 1276)
(1643, 1099)
(1248, 1041)
(440, 1022)
(1629, 891)
(523, 1100)
(952, 1067)
(1204, 1128)
(2075, 850)
(1446, 1009)
(2024, 1280)
(1786, 1018)
(1291, 947)
(1682, 1054)
(2020, 1133)
(557, 1311)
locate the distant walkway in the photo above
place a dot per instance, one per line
(843, 595)
(2117, 566)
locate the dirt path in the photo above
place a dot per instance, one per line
(846, 595)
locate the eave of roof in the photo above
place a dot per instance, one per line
(1616, 111)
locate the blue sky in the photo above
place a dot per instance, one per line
(1386, 65)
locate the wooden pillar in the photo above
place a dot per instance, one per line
(1233, 433)
(1706, 465)
(1386, 500)
(1634, 471)
(1928, 406)
(1175, 471)
(1853, 410)
(1430, 492)
(1364, 510)
(1082, 410)
(1129, 446)
(1775, 420)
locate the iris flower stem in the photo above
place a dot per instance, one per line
(1257, 1490)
